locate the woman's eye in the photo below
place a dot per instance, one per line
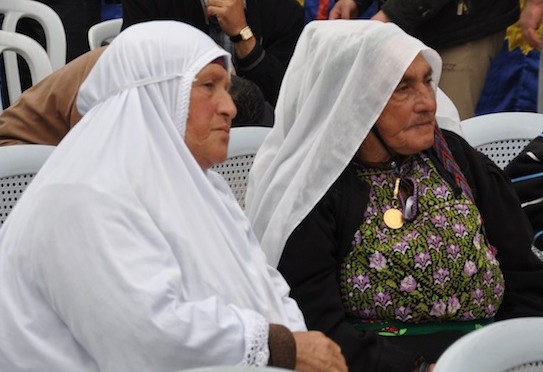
(402, 88)
(209, 85)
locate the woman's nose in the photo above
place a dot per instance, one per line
(227, 106)
(426, 99)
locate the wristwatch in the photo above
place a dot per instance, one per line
(245, 34)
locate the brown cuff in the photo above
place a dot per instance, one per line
(282, 347)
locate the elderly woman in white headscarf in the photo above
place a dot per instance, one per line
(127, 253)
(382, 224)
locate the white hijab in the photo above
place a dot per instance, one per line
(122, 200)
(338, 82)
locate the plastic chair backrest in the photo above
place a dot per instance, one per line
(34, 55)
(508, 345)
(103, 32)
(242, 148)
(55, 35)
(502, 136)
(18, 165)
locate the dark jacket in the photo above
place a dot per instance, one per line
(438, 24)
(313, 254)
(277, 24)
(526, 172)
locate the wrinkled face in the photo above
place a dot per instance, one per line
(408, 120)
(211, 111)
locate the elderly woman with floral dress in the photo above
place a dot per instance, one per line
(395, 236)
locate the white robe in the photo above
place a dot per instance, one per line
(123, 255)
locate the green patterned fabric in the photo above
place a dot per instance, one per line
(417, 329)
(436, 268)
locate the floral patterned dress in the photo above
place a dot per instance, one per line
(438, 267)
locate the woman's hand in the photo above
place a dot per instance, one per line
(317, 353)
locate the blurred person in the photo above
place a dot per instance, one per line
(466, 34)
(260, 34)
(127, 253)
(252, 108)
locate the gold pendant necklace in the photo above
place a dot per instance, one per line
(393, 217)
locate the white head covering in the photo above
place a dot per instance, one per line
(122, 215)
(338, 82)
(447, 114)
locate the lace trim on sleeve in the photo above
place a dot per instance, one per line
(257, 351)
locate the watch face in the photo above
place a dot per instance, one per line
(246, 33)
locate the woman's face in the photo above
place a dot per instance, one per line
(408, 120)
(211, 111)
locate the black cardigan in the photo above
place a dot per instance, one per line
(314, 251)
(276, 24)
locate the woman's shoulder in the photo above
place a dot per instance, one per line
(454, 139)
(462, 151)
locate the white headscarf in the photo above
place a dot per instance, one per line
(123, 254)
(338, 82)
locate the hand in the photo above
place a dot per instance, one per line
(381, 16)
(344, 9)
(229, 13)
(530, 18)
(317, 353)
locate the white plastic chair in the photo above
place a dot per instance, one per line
(18, 165)
(242, 148)
(505, 346)
(34, 55)
(502, 136)
(55, 35)
(103, 32)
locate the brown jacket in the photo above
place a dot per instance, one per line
(47, 111)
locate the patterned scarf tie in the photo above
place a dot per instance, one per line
(442, 150)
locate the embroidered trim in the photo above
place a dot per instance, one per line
(257, 352)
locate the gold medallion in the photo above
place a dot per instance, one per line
(393, 218)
